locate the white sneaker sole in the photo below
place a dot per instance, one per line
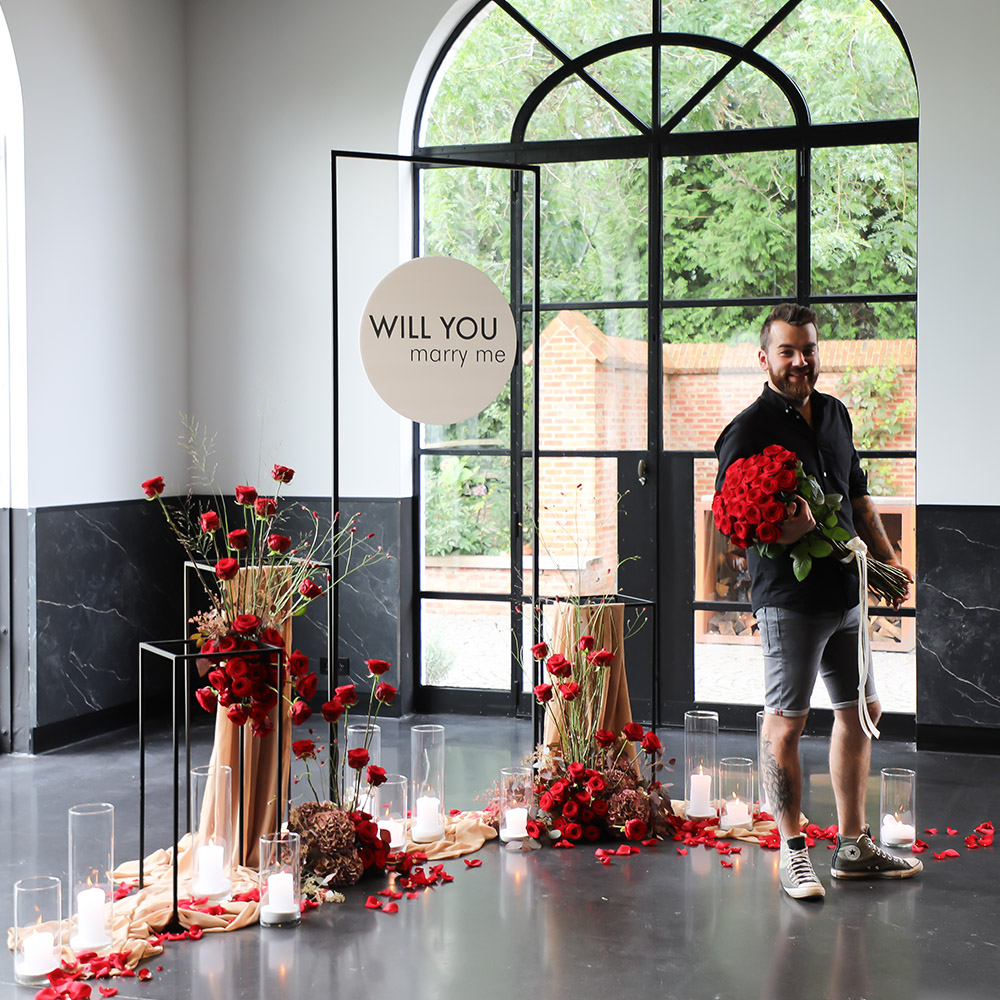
(900, 873)
(805, 891)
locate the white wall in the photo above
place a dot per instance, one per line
(103, 89)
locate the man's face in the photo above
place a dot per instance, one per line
(791, 360)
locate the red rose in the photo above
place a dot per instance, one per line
(559, 666)
(632, 731)
(591, 832)
(272, 637)
(540, 650)
(533, 827)
(237, 715)
(207, 698)
(605, 738)
(299, 712)
(237, 667)
(569, 690)
(279, 543)
(602, 658)
(385, 693)
(239, 539)
(309, 590)
(348, 695)
(651, 743)
(297, 663)
(769, 485)
(586, 643)
(332, 710)
(558, 789)
(546, 802)
(154, 487)
(218, 680)
(265, 507)
(246, 495)
(576, 770)
(543, 692)
(226, 569)
(282, 474)
(304, 749)
(259, 728)
(583, 798)
(227, 644)
(768, 532)
(635, 829)
(357, 758)
(572, 831)
(596, 785)
(306, 686)
(245, 624)
(599, 807)
(772, 513)
(752, 514)
(570, 809)
(209, 521)
(377, 667)
(376, 775)
(787, 479)
(241, 686)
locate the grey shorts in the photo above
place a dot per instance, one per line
(797, 646)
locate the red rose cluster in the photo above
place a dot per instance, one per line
(752, 503)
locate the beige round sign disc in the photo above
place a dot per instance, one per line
(437, 340)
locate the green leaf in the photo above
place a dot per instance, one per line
(300, 611)
(830, 521)
(801, 565)
(772, 550)
(834, 500)
(838, 534)
(819, 548)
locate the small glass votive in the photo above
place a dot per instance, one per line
(212, 840)
(516, 795)
(736, 793)
(361, 737)
(898, 809)
(701, 732)
(91, 864)
(37, 928)
(280, 902)
(427, 765)
(390, 809)
(761, 788)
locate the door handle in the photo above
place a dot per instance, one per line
(641, 471)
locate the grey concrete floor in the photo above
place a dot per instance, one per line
(556, 923)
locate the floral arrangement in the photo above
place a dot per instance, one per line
(256, 578)
(759, 494)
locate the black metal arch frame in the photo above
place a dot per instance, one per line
(654, 142)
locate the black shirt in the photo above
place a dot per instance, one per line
(826, 450)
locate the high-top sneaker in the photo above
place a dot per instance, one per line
(861, 858)
(796, 871)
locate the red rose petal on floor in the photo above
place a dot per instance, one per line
(127, 973)
(652, 842)
(445, 877)
(605, 861)
(107, 991)
(396, 895)
(624, 851)
(951, 853)
(308, 904)
(682, 850)
(972, 841)
(931, 830)
(159, 968)
(385, 892)
(195, 933)
(726, 864)
(86, 956)
(390, 908)
(602, 853)
(951, 831)
(735, 850)
(145, 975)
(454, 812)
(412, 895)
(473, 863)
(372, 903)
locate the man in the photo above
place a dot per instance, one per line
(811, 626)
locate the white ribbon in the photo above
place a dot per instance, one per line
(858, 551)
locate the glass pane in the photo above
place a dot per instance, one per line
(745, 98)
(729, 225)
(466, 214)
(867, 320)
(710, 371)
(629, 77)
(574, 110)
(471, 102)
(578, 526)
(594, 235)
(465, 644)
(846, 60)
(593, 380)
(734, 22)
(683, 71)
(577, 26)
(466, 518)
(864, 219)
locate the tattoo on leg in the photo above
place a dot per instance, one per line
(776, 779)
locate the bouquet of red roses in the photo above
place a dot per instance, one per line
(759, 494)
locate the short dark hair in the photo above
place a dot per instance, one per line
(788, 312)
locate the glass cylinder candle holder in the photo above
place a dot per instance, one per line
(390, 809)
(427, 797)
(361, 737)
(701, 733)
(37, 928)
(516, 794)
(898, 809)
(280, 895)
(761, 788)
(212, 839)
(91, 863)
(735, 793)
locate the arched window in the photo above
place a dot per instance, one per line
(701, 161)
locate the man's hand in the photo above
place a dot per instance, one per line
(909, 576)
(800, 522)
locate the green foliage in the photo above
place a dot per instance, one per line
(467, 506)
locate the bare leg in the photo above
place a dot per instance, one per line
(779, 749)
(850, 761)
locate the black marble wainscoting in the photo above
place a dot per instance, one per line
(101, 578)
(958, 628)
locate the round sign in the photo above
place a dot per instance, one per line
(438, 340)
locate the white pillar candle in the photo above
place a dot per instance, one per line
(211, 877)
(280, 899)
(397, 832)
(428, 825)
(701, 790)
(895, 833)
(737, 813)
(515, 824)
(91, 930)
(38, 954)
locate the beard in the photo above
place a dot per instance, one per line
(796, 390)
